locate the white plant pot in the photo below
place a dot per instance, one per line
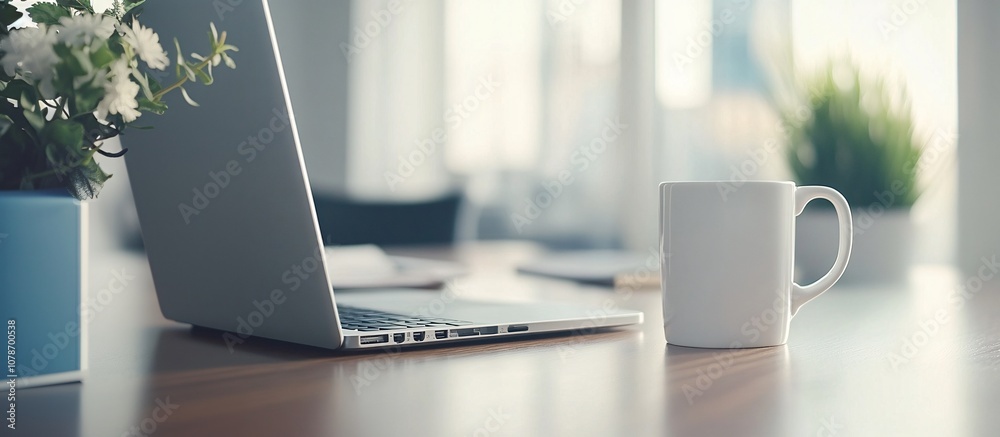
(882, 245)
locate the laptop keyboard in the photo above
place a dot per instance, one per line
(364, 319)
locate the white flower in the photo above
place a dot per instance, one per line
(29, 53)
(120, 94)
(86, 28)
(120, 69)
(146, 44)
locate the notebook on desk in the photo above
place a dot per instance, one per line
(251, 261)
(599, 267)
(367, 266)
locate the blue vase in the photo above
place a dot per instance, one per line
(43, 272)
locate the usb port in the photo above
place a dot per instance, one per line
(399, 338)
(467, 332)
(418, 336)
(373, 339)
(440, 334)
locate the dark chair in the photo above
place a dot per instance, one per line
(350, 221)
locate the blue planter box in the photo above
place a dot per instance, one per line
(43, 271)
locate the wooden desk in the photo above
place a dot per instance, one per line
(837, 376)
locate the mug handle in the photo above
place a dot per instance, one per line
(803, 195)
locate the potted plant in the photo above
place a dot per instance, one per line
(855, 135)
(70, 80)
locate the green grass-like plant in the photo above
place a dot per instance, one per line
(853, 135)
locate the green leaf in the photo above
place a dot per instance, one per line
(204, 77)
(95, 130)
(131, 9)
(116, 45)
(143, 80)
(102, 57)
(8, 15)
(28, 103)
(80, 5)
(36, 120)
(154, 85)
(23, 131)
(86, 99)
(65, 133)
(57, 158)
(87, 179)
(15, 89)
(132, 4)
(116, 120)
(180, 57)
(47, 13)
(70, 62)
(5, 124)
(157, 108)
(189, 72)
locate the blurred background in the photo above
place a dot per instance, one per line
(555, 120)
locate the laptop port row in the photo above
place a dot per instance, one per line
(440, 334)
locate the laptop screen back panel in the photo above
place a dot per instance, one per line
(223, 199)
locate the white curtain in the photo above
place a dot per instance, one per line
(505, 101)
(557, 119)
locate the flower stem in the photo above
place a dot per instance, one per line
(197, 67)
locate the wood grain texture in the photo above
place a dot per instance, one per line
(847, 370)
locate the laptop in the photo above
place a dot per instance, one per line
(228, 221)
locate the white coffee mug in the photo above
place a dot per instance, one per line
(726, 258)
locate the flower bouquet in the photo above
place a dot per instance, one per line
(73, 78)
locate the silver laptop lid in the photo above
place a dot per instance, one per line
(222, 194)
